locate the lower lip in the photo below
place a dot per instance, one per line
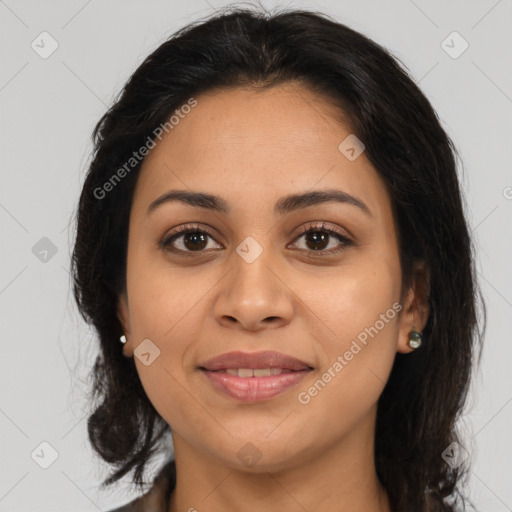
(254, 389)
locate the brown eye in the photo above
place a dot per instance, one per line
(318, 241)
(194, 240)
(187, 239)
(318, 238)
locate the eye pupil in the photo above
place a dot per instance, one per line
(194, 237)
(196, 240)
(317, 237)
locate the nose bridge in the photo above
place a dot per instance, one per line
(251, 268)
(252, 294)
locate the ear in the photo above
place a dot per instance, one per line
(414, 314)
(124, 317)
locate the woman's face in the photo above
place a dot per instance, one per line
(247, 280)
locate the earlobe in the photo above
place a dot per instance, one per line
(416, 310)
(123, 316)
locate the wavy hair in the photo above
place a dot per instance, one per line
(406, 144)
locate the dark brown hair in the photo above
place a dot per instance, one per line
(411, 152)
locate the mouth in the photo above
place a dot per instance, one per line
(254, 377)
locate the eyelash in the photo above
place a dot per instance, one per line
(311, 227)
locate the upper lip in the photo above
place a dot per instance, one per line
(266, 359)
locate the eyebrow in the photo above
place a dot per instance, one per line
(283, 206)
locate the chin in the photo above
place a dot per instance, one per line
(259, 454)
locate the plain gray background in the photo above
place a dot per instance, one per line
(48, 109)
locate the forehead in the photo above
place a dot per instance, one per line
(261, 143)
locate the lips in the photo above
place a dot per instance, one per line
(256, 360)
(254, 377)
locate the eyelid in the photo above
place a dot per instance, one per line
(322, 226)
(345, 240)
(184, 229)
(311, 226)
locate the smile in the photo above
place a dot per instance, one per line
(254, 377)
(252, 388)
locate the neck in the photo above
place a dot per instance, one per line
(343, 478)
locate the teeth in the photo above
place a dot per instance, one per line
(263, 372)
(245, 372)
(256, 372)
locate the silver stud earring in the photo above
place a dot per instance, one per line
(414, 339)
(123, 339)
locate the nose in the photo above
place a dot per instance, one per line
(254, 296)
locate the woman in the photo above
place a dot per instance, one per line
(272, 247)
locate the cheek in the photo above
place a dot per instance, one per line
(360, 306)
(166, 307)
(357, 360)
(162, 297)
(166, 389)
(355, 297)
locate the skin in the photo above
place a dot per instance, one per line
(252, 148)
